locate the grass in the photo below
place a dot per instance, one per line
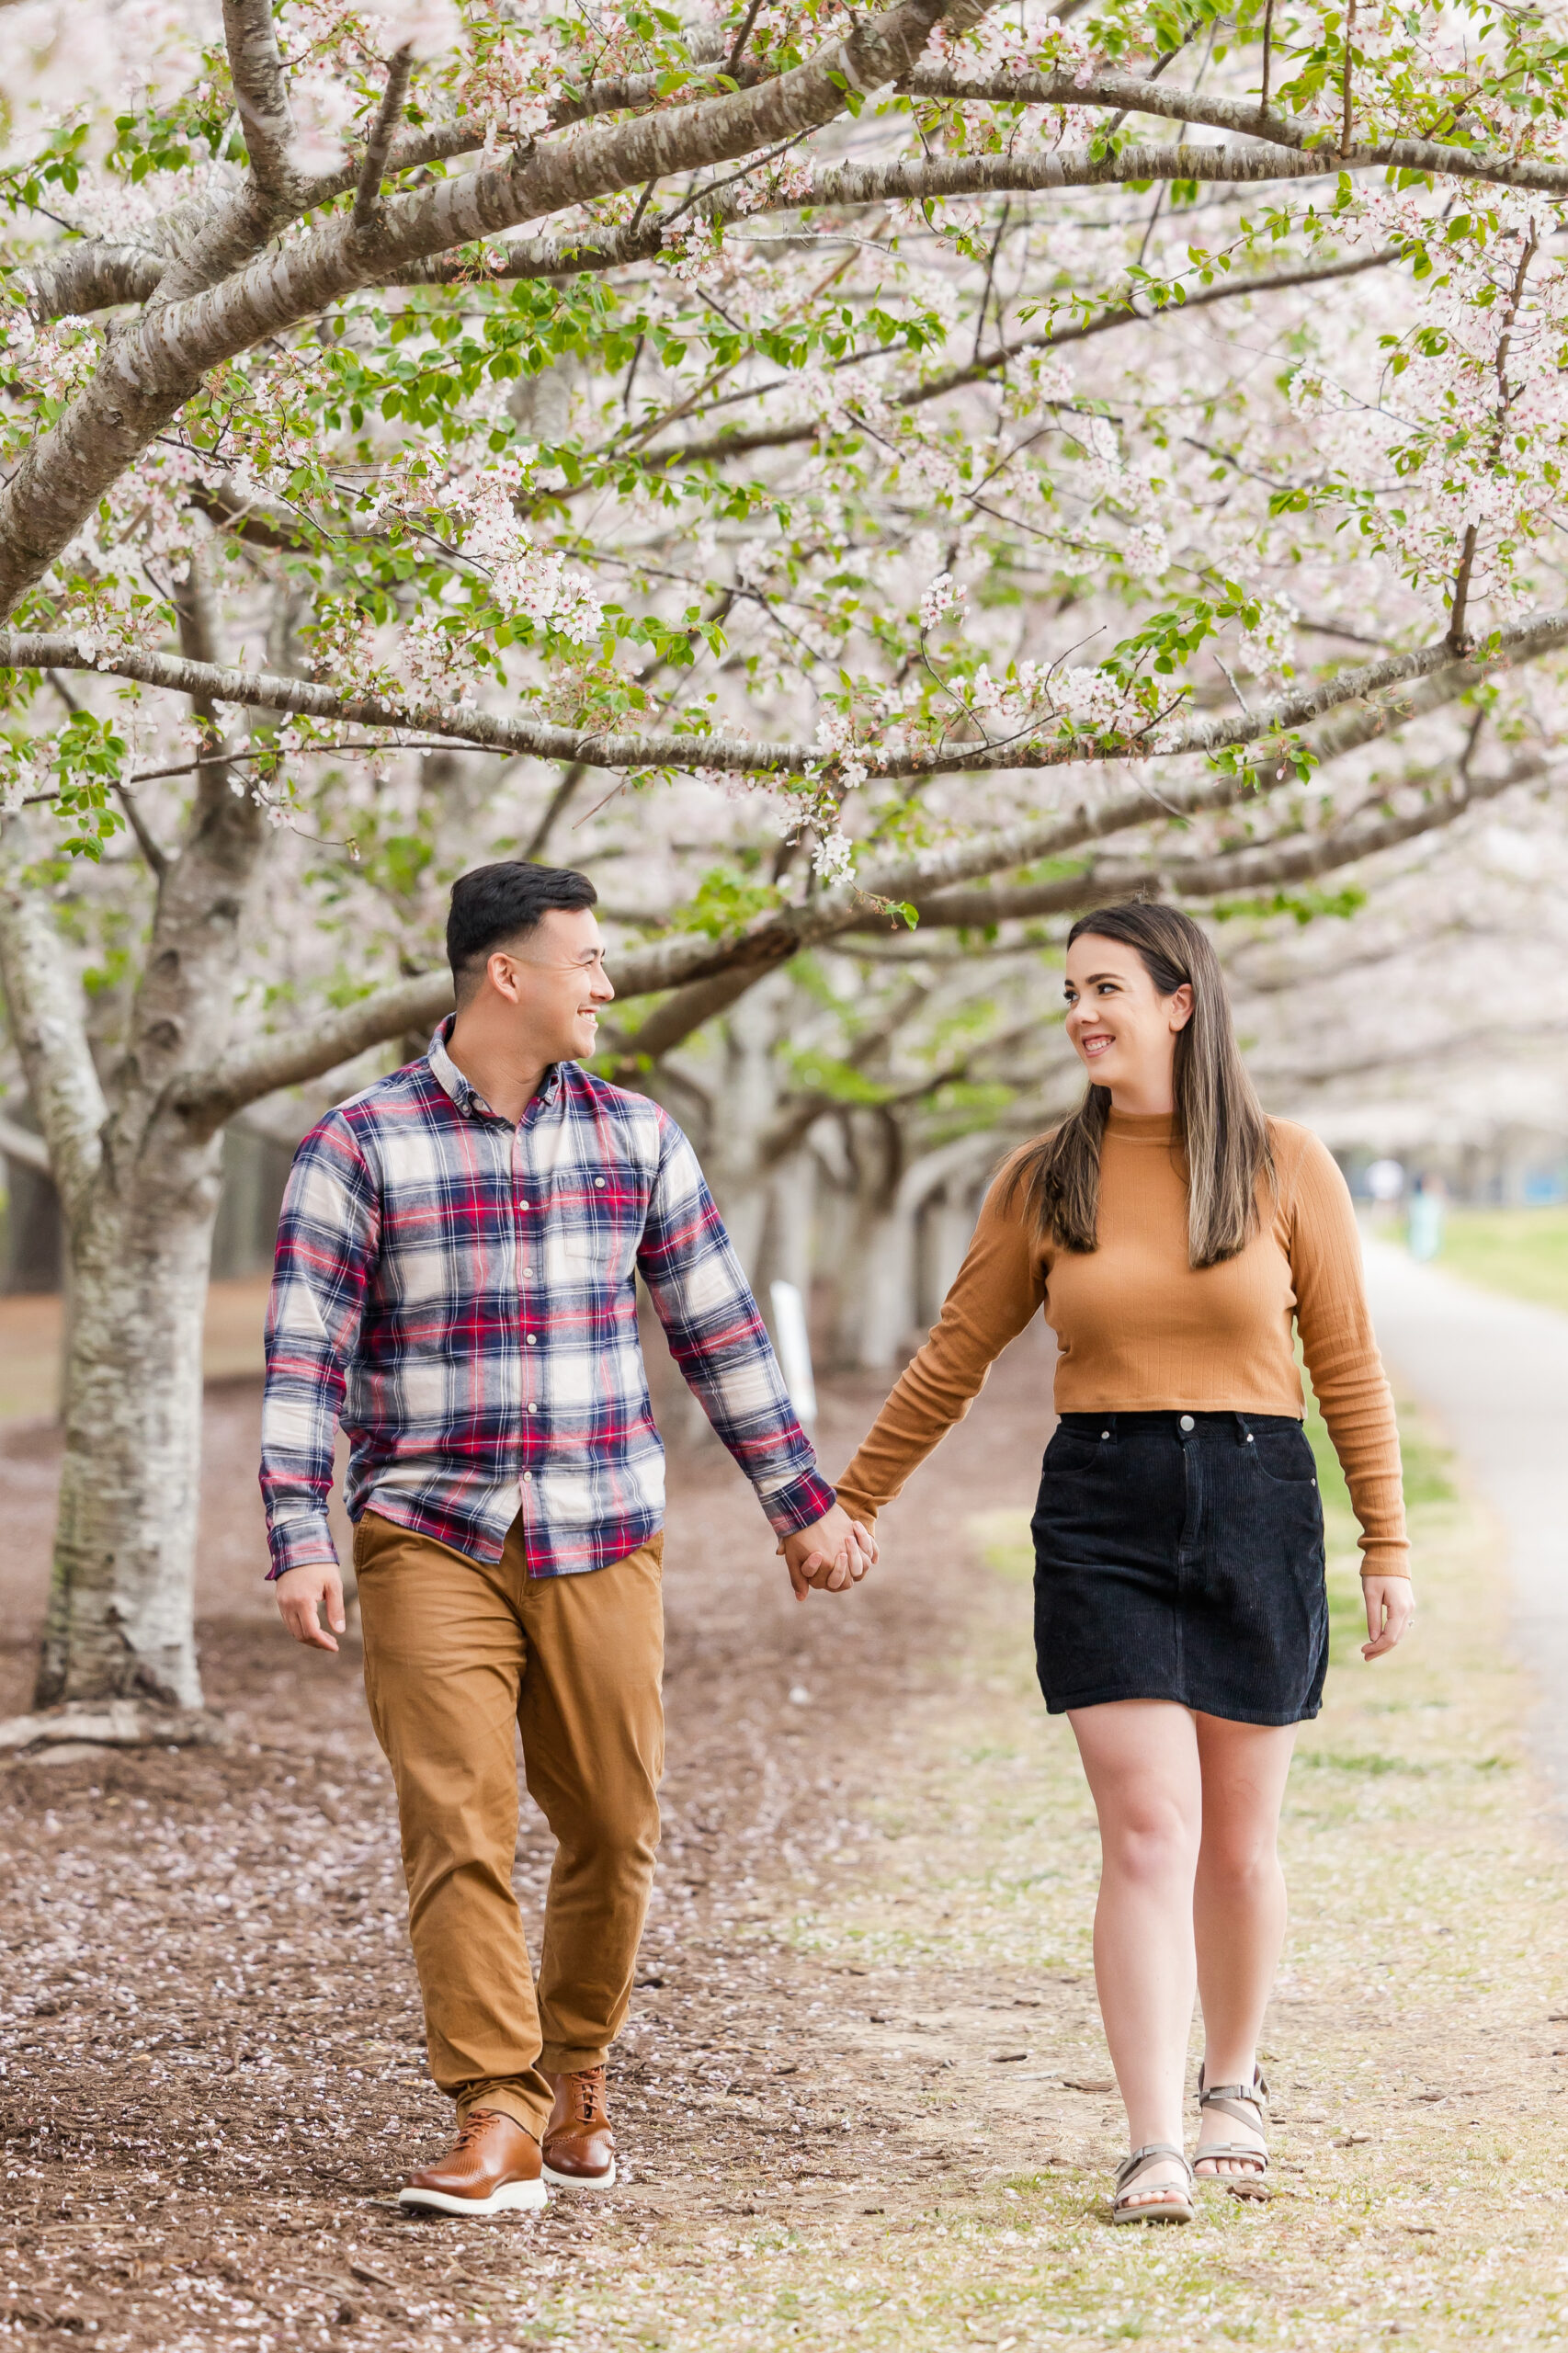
(1522, 1252)
(1418, 2093)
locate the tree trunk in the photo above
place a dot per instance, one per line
(138, 1183)
(120, 1623)
(889, 1297)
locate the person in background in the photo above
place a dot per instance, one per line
(1177, 1240)
(456, 1282)
(1423, 1223)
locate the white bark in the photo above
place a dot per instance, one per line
(792, 1221)
(708, 975)
(49, 1025)
(746, 1099)
(1179, 738)
(21, 1146)
(138, 1189)
(1264, 865)
(888, 1302)
(157, 364)
(1130, 93)
(121, 1622)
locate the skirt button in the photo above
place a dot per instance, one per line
(1188, 1423)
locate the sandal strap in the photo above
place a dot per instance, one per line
(1237, 2149)
(1230, 2099)
(1130, 2167)
(1224, 2096)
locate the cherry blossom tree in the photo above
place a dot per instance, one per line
(867, 485)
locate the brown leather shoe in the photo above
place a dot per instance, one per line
(579, 2147)
(493, 2167)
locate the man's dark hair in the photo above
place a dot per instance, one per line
(495, 906)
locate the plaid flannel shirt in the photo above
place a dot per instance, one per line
(460, 1293)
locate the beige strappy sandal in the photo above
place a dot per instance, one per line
(1235, 2099)
(1174, 2204)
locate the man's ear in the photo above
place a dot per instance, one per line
(501, 971)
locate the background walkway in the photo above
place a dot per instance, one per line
(1495, 1372)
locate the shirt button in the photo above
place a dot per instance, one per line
(1188, 1423)
(533, 1343)
(533, 1409)
(527, 1477)
(598, 1180)
(522, 1205)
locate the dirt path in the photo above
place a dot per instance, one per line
(863, 2095)
(213, 2062)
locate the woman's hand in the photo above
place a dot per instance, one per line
(1391, 1608)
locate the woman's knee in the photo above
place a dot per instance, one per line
(1148, 1836)
(1241, 1857)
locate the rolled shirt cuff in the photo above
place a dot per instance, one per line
(799, 1505)
(295, 1543)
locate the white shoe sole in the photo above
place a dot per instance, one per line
(581, 2181)
(511, 2197)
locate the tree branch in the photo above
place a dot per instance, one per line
(214, 1094)
(722, 444)
(21, 1146)
(1262, 866)
(847, 188)
(377, 147)
(90, 275)
(149, 372)
(49, 1025)
(258, 689)
(682, 1014)
(261, 94)
(1240, 117)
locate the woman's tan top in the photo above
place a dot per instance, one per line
(1139, 1329)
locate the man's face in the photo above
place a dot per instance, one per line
(556, 979)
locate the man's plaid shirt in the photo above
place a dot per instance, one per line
(461, 1294)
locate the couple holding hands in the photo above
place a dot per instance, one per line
(456, 1284)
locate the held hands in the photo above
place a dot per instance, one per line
(1391, 1610)
(300, 1594)
(835, 1553)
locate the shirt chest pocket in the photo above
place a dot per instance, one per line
(596, 1259)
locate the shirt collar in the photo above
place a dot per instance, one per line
(462, 1091)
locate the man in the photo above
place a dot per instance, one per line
(455, 1280)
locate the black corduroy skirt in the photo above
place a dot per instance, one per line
(1180, 1556)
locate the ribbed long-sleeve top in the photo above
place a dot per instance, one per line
(1139, 1329)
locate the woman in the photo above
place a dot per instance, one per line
(1173, 1234)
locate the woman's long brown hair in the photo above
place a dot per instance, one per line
(1218, 1127)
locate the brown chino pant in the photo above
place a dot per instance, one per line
(456, 1656)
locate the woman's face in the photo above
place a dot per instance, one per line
(1123, 1031)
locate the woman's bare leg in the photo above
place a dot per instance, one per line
(1142, 1760)
(1238, 1905)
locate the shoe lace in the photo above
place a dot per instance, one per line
(472, 2125)
(590, 2091)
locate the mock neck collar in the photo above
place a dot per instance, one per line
(1130, 1127)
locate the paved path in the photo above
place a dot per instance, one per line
(1495, 1371)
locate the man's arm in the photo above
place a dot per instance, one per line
(718, 1338)
(327, 1237)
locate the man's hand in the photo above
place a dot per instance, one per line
(300, 1594)
(1389, 1611)
(833, 1552)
